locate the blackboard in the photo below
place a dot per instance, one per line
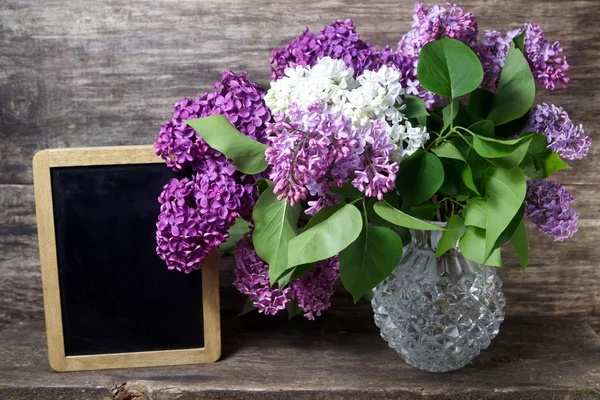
(115, 295)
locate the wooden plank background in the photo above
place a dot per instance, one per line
(90, 73)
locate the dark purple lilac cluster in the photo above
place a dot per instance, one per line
(215, 194)
(312, 292)
(547, 204)
(339, 41)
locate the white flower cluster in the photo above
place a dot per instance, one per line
(374, 95)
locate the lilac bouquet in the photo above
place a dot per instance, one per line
(351, 146)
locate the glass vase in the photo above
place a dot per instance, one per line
(438, 313)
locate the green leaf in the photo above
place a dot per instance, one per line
(247, 155)
(369, 259)
(262, 184)
(419, 178)
(514, 159)
(454, 230)
(506, 192)
(511, 128)
(397, 217)
(247, 309)
(426, 211)
(540, 162)
(294, 273)
(494, 148)
(476, 213)
(414, 107)
(293, 309)
(519, 41)
(483, 128)
(510, 229)
(236, 232)
(472, 246)
(449, 113)
(327, 238)
(448, 150)
(480, 102)
(348, 191)
(458, 178)
(275, 224)
(479, 165)
(520, 243)
(516, 90)
(322, 215)
(449, 68)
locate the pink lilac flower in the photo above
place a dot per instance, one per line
(547, 63)
(313, 291)
(377, 174)
(547, 206)
(310, 151)
(564, 137)
(339, 41)
(252, 279)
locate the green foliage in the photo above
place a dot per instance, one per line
(520, 243)
(369, 260)
(397, 217)
(247, 155)
(275, 224)
(414, 107)
(449, 68)
(235, 233)
(325, 239)
(472, 246)
(454, 230)
(449, 113)
(480, 103)
(516, 90)
(505, 191)
(419, 177)
(540, 162)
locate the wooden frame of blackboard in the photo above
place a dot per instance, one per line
(42, 164)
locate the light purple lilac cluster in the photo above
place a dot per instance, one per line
(314, 149)
(339, 41)
(547, 63)
(312, 292)
(197, 212)
(564, 137)
(547, 205)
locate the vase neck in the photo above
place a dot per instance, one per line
(427, 239)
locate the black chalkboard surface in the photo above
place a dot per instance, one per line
(116, 294)
(107, 294)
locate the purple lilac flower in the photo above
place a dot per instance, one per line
(313, 291)
(547, 205)
(547, 63)
(564, 137)
(435, 23)
(492, 50)
(238, 99)
(252, 279)
(377, 174)
(196, 214)
(339, 41)
(310, 151)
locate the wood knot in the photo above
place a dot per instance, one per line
(130, 391)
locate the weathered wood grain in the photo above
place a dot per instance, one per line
(87, 73)
(340, 356)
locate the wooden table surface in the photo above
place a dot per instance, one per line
(340, 356)
(76, 73)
